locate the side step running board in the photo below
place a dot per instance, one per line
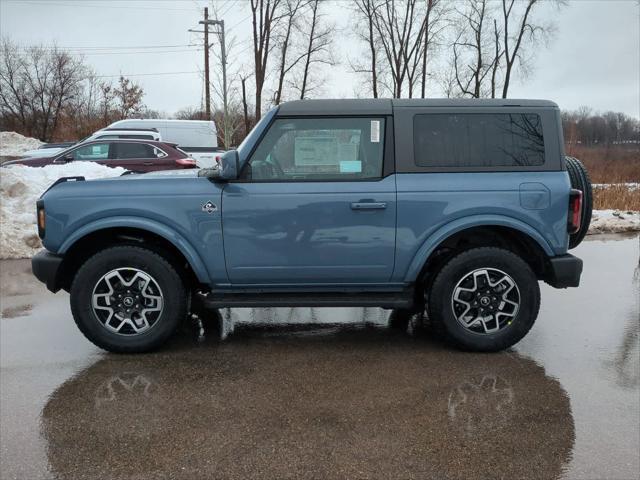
(307, 299)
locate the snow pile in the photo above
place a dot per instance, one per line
(13, 144)
(20, 187)
(614, 221)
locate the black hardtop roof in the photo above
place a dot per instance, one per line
(384, 106)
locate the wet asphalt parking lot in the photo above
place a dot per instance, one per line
(267, 395)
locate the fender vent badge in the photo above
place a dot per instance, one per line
(209, 207)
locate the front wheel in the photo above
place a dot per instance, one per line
(486, 299)
(128, 299)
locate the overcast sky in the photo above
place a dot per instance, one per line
(593, 60)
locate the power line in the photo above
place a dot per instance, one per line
(110, 5)
(113, 47)
(238, 23)
(146, 74)
(123, 53)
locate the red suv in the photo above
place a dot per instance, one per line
(135, 155)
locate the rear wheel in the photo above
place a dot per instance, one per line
(128, 299)
(580, 180)
(485, 299)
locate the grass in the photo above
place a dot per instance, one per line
(612, 164)
(616, 197)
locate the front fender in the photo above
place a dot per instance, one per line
(153, 226)
(451, 228)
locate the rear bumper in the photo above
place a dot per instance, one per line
(564, 271)
(46, 266)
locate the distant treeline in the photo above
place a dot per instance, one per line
(589, 128)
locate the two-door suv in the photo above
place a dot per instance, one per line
(452, 207)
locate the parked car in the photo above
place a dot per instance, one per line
(137, 156)
(49, 149)
(196, 137)
(455, 208)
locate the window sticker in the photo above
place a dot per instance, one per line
(375, 131)
(348, 166)
(320, 150)
(347, 152)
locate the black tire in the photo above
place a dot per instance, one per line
(172, 291)
(580, 180)
(441, 309)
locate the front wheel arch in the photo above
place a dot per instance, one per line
(97, 240)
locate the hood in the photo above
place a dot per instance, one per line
(33, 161)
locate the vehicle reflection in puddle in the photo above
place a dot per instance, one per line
(309, 401)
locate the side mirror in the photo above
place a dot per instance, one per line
(229, 166)
(66, 159)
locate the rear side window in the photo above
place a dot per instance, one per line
(320, 149)
(478, 140)
(135, 150)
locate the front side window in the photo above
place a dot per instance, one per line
(478, 140)
(319, 149)
(92, 152)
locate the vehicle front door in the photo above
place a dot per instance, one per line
(313, 206)
(99, 152)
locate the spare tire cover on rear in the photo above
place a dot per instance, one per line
(580, 181)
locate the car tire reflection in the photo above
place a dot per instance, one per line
(353, 402)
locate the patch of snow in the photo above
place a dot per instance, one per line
(13, 144)
(614, 221)
(20, 187)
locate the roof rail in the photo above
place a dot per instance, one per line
(110, 129)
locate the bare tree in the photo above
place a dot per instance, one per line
(265, 17)
(290, 16)
(318, 46)
(471, 61)
(497, 57)
(398, 38)
(245, 109)
(526, 32)
(435, 16)
(366, 10)
(395, 28)
(36, 85)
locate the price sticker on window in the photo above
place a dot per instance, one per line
(375, 131)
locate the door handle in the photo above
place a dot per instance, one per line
(148, 163)
(368, 205)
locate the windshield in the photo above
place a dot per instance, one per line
(249, 141)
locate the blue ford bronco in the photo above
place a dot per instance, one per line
(454, 208)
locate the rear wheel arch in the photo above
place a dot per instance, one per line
(508, 238)
(83, 248)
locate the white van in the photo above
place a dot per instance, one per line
(197, 138)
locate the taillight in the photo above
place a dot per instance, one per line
(41, 217)
(186, 162)
(575, 211)
(218, 157)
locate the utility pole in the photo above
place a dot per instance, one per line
(207, 95)
(220, 23)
